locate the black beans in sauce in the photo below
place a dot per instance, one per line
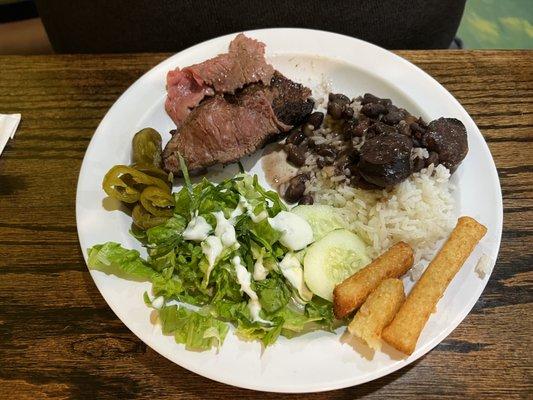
(373, 110)
(432, 159)
(295, 188)
(316, 119)
(392, 117)
(306, 200)
(296, 137)
(418, 164)
(335, 110)
(295, 155)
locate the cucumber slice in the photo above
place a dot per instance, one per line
(332, 259)
(323, 219)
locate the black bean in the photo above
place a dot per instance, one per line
(418, 164)
(373, 110)
(306, 199)
(326, 151)
(385, 102)
(369, 98)
(403, 128)
(392, 117)
(432, 159)
(316, 119)
(296, 137)
(379, 128)
(392, 107)
(349, 127)
(320, 163)
(347, 112)
(295, 190)
(338, 98)
(335, 110)
(295, 155)
(361, 128)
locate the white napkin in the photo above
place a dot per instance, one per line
(8, 127)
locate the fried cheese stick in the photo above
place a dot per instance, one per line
(377, 312)
(404, 330)
(353, 291)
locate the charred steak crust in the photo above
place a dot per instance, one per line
(291, 101)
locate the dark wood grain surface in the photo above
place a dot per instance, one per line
(58, 337)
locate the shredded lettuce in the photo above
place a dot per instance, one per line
(178, 269)
(196, 331)
(112, 258)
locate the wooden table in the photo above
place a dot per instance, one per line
(58, 337)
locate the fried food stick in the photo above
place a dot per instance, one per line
(403, 332)
(377, 312)
(353, 291)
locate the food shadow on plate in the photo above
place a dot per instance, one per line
(218, 173)
(358, 345)
(367, 352)
(111, 204)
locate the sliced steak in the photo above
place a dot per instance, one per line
(243, 64)
(184, 91)
(292, 103)
(223, 129)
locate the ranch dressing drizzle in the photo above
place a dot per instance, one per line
(225, 230)
(212, 247)
(291, 269)
(260, 272)
(197, 229)
(245, 205)
(158, 302)
(244, 278)
(296, 233)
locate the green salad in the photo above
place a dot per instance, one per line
(229, 253)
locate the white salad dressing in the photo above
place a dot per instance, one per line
(292, 270)
(158, 302)
(245, 278)
(212, 247)
(225, 229)
(260, 272)
(197, 229)
(244, 205)
(296, 233)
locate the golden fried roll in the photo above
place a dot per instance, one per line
(377, 312)
(403, 332)
(353, 291)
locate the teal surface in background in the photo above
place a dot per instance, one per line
(497, 24)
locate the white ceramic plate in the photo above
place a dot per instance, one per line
(317, 361)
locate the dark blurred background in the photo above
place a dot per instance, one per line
(104, 26)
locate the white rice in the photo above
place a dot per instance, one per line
(418, 211)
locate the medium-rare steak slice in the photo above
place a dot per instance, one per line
(243, 64)
(224, 129)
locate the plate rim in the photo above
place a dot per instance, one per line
(451, 326)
